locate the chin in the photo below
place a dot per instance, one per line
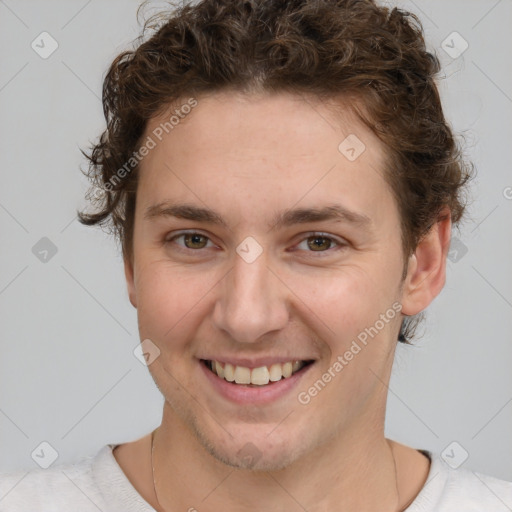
(252, 452)
(251, 457)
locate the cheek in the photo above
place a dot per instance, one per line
(347, 304)
(343, 299)
(167, 300)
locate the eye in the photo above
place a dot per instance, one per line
(315, 242)
(191, 240)
(320, 242)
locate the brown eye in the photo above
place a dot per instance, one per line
(319, 243)
(195, 241)
(192, 241)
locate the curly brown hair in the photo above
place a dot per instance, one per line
(324, 48)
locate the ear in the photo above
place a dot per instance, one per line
(426, 272)
(130, 282)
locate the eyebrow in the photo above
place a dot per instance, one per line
(285, 218)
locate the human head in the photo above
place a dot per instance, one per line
(259, 97)
(372, 56)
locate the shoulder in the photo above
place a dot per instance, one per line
(53, 489)
(462, 489)
(477, 490)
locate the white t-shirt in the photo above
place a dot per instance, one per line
(98, 483)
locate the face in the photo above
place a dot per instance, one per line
(257, 242)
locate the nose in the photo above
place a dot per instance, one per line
(252, 301)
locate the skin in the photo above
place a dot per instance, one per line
(247, 157)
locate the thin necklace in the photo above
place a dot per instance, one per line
(153, 468)
(160, 506)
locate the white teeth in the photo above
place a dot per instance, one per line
(276, 372)
(218, 369)
(242, 375)
(257, 376)
(287, 370)
(229, 372)
(260, 376)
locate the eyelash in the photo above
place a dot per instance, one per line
(313, 234)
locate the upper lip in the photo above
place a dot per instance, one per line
(255, 362)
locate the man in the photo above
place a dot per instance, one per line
(283, 183)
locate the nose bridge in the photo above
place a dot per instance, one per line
(251, 302)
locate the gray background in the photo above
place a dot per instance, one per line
(68, 375)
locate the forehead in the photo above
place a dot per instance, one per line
(265, 150)
(271, 121)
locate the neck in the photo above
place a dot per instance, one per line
(350, 472)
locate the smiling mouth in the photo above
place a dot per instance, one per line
(262, 376)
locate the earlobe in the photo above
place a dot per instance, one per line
(130, 282)
(426, 274)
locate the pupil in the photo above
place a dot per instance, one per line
(194, 239)
(317, 242)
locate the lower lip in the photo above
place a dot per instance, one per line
(242, 395)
